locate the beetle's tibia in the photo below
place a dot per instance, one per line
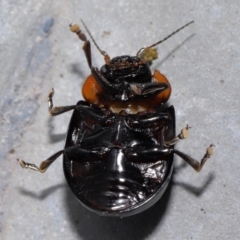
(194, 163)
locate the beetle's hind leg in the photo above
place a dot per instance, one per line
(54, 111)
(194, 163)
(44, 164)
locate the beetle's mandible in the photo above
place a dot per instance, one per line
(119, 149)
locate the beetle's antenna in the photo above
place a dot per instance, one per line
(173, 33)
(106, 56)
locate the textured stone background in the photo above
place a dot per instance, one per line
(38, 52)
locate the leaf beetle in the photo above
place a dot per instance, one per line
(119, 148)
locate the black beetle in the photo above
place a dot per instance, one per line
(118, 154)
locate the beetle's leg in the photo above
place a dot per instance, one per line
(54, 111)
(149, 154)
(182, 135)
(148, 89)
(145, 154)
(147, 121)
(194, 163)
(102, 118)
(43, 166)
(75, 153)
(102, 80)
(79, 153)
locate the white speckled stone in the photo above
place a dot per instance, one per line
(37, 52)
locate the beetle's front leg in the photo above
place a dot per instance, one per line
(182, 135)
(101, 117)
(194, 163)
(54, 111)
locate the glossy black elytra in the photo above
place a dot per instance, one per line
(118, 154)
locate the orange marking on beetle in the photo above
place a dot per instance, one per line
(165, 95)
(91, 90)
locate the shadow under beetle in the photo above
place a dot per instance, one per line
(118, 154)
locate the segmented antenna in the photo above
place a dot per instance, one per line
(106, 56)
(178, 30)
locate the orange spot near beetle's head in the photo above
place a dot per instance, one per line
(91, 90)
(93, 93)
(163, 96)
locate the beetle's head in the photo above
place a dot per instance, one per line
(124, 80)
(126, 69)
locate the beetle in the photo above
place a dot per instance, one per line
(119, 147)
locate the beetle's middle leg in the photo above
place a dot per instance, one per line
(54, 111)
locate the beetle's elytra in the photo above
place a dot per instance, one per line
(118, 154)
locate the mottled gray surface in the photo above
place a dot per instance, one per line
(202, 62)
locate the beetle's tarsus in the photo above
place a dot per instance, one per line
(54, 111)
(31, 166)
(181, 136)
(184, 133)
(50, 96)
(44, 164)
